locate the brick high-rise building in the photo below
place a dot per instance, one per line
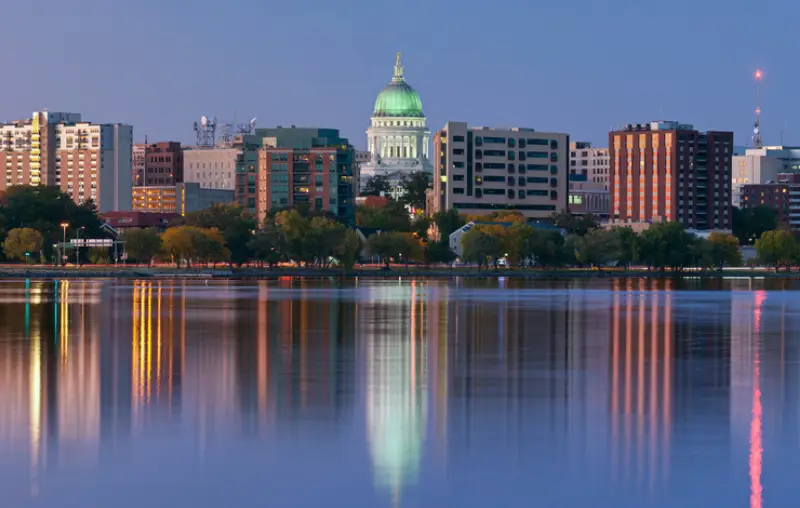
(308, 166)
(157, 164)
(86, 160)
(667, 171)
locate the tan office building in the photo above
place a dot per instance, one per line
(481, 170)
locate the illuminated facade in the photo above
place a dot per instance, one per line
(86, 160)
(666, 171)
(398, 138)
(181, 198)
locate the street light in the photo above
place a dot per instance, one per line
(64, 226)
(78, 247)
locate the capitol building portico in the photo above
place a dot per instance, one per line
(398, 138)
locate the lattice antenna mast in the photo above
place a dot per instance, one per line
(758, 141)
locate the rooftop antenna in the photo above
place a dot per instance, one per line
(758, 141)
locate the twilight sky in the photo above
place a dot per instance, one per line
(576, 66)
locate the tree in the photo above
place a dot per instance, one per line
(483, 245)
(231, 220)
(414, 186)
(348, 250)
(750, 223)
(180, 244)
(668, 245)
(777, 248)
(447, 222)
(386, 245)
(629, 246)
(209, 246)
(547, 247)
(23, 243)
(723, 249)
(598, 247)
(517, 243)
(420, 227)
(439, 252)
(44, 208)
(268, 245)
(142, 244)
(377, 185)
(575, 224)
(391, 217)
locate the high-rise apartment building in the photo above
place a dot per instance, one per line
(480, 170)
(212, 168)
(667, 171)
(591, 163)
(157, 164)
(308, 166)
(86, 160)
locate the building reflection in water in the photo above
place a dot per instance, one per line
(617, 384)
(390, 326)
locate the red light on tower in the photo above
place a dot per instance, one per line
(758, 73)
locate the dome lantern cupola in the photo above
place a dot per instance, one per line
(398, 98)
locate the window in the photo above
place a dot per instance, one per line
(536, 155)
(479, 154)
(458, 190)
(522, 143)
(511, 156)
(538, 179)
(553, 194)
(458, 178)
(458, 165)
(478, 167)
(494, 178)
(510, 182)
(554, 157)
(553, 170)
(494, 165)
(458, 151)
(510, 168)
(478, 180)
(538, 142)
(537, 167)
(521, 181)
(511, 193)
(521, 194)
(458, 139)
(478, 193)
(495, 140)
(512, 142)
(554, 182)
(494, 153)
(478, 141)
(554, 144)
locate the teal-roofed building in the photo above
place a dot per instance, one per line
(398, 138)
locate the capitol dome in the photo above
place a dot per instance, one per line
(398, 98)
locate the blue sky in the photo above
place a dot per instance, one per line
(575, 66)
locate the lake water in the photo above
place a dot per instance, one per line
(406, 393)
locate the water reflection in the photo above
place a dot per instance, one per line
(404, 393)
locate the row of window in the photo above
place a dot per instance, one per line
(504, 206)
(512, 142)
(479, 154)
(512, 168)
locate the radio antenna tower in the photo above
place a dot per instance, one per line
(758, 141)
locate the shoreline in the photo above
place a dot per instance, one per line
(262, 273)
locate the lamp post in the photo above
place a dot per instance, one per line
(78, 247)
(64, 226)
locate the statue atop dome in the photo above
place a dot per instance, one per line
(398, 69)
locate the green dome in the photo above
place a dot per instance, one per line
(398, 98)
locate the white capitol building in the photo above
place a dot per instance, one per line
(399, 138)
